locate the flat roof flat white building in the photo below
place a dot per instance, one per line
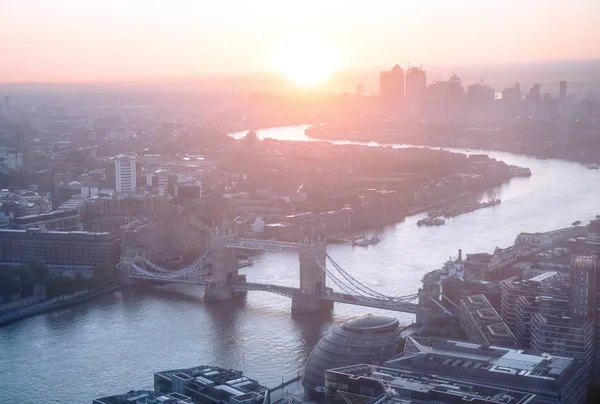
(125, 174)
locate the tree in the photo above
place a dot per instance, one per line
(39, 270)
(80, 282)
(54, 287)
(104, 275)
(68, 285)
(27, 278)
(9, 283)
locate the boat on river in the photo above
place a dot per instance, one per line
(470, 207)
(431, 221)
(593, 167)
(365, 241)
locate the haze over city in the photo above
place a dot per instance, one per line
(307, 42)
(300, 202)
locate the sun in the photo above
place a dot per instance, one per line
(306, 61)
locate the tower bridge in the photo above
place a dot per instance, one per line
(217, 271)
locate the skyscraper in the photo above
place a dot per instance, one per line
(125, 174)
(416, 85)
(6, 106)
(583, 282)
(563, 90)
(360, 90)
(391, 85)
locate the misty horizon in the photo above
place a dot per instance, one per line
(577, 72)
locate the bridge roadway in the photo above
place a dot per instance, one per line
(158, 279)
(386, 304)
(263, 245)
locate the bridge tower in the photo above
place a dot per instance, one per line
(224, 262)
(313, 250)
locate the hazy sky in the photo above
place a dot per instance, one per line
(73, 40)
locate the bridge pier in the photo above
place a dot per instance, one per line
(304, 304)
(216, 292)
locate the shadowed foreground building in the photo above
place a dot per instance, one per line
(210, 384)
(144, 397)
(553, 379)
(357, 383)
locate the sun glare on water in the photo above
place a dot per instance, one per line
(306, 62)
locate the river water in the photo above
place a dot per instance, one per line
(115, 342)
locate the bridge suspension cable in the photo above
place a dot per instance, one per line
(365, 290)
(336, 280)
(197, 270)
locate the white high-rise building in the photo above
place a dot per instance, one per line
(125, 174)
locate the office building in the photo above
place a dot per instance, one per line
(416, 86)
(534, 98)
(480, 97)
(188, 190)
(360, 90)
(126, 204)
(391, 86)
(563, 336)
(482, 324)
(511, 100)
(553, 379)
(57, 220)
(61, 248)
(596, 318)
(362, 382)
(125, 174)
(562, 95)
(144, 397)
(152, 160)
(546, 284)
(6, 106)
(18, 208)
(445, 99)
(362, 339)
(210, 384)
(583, 282)
(526, 307)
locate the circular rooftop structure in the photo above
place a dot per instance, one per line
(371, 339)
(371, 323)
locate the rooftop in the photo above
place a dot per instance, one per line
(371, 322)
(31, 233)
(404, 383)
(492, 364)
(144, 397)
(223, 384)
(46, 216)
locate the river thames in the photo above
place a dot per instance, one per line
(116, 342)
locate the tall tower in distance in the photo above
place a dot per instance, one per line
(391, 86)
(125, 174)
(6, 106)
(416, 85)
(24, 149)
(562, 95)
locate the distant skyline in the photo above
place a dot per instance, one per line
(122, 40)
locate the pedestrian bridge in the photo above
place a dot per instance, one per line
(349, 290)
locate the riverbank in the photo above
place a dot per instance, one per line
(453, 142)
(50, 305)
(117, 337)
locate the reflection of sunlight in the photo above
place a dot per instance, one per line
(305, 61)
